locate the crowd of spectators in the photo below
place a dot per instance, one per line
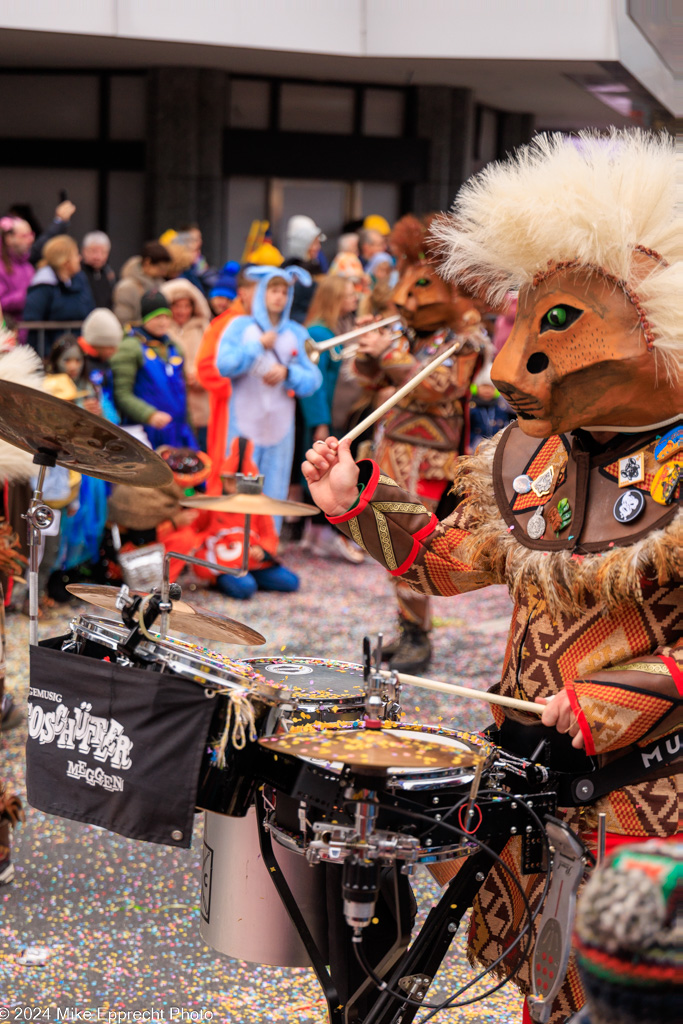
(197, 361)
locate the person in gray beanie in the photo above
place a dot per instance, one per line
(101, 334)
(302, 249)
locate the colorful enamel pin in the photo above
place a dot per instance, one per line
(631, 470)
(669, 445)
(559, 518)
(666, 481)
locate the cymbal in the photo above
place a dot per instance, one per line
(364, 747)
(38, 422)
(250, 505)
(184, 616)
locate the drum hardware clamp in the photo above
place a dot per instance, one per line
(38, 517)
(382, 690)
(245, 485)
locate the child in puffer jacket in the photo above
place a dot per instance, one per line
(264, 355)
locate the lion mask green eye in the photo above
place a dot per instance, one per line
(560, 318)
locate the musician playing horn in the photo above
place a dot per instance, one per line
(419, 441)
(576, 507)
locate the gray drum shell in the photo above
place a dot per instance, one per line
(242, 915)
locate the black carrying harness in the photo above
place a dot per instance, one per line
(548, 754)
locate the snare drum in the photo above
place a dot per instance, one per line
(226, 779)
(318, 690)
(429, 791)
(169, 654)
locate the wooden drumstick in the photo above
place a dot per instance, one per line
(402, 392)
(467, 691)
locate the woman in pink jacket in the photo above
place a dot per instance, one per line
(16, 270)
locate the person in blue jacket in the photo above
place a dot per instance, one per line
(264, 355)
(59, 290)
(489, 412)
(149, 380)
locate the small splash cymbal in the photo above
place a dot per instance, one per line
(249, 505)
(38, 422)
(363, 747)
(184, 616)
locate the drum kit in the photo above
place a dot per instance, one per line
(320, 801)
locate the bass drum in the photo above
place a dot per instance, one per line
(242, 915)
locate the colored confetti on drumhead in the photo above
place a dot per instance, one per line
(121, 918)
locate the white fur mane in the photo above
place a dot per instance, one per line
(20, 365)
(592, 200)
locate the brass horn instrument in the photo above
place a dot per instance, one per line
(314, 348)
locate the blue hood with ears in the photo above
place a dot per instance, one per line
(266, 274)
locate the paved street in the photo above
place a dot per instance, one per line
(119, 920)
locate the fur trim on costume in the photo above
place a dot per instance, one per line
(613, 576)
(21, 365)
(592, 200)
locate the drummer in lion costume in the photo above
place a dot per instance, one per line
(577, 506)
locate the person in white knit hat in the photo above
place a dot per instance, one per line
(100, 338)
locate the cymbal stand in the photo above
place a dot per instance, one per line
(245, 485)
(38, 517)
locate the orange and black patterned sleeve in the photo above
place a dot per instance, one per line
(398, 531)
(633, 703)
(398, 365)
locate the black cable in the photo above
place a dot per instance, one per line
(360, 956)
(449, 1003)
(526, 931)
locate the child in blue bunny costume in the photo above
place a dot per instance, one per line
(265, 357)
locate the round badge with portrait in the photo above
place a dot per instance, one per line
(629, 505)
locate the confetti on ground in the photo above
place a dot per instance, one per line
(120, 919)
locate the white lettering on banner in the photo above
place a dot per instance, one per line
(104, 737)
(45, 694)
(672, 745)
(94, 776)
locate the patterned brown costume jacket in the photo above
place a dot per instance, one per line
(598, 609)
(422, 435)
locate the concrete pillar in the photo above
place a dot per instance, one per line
(445, 117)
(515, 130)
(184, 153)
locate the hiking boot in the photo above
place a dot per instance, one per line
(413, 651)
(10, 715)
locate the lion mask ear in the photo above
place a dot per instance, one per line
(408, 239)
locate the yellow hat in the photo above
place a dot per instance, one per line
(374, 222)
(266, 255)
(168, 236)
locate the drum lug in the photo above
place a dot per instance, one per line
(415, 985)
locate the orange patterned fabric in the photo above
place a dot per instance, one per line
(498, 915)
(617, 716)
(549, 453)
(548, 650)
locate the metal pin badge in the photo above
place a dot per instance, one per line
(536, 525)
(522, 484)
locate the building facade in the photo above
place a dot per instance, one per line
(224, 113)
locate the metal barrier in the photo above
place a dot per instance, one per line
(46, 325)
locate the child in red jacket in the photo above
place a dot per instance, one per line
(219, 537)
